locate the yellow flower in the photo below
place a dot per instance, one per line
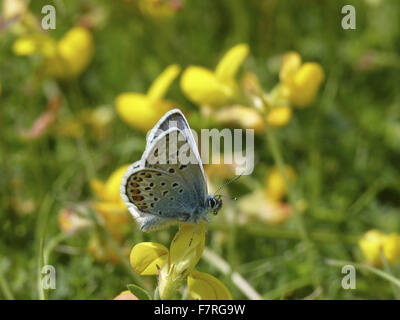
(177, 264)
(279, 116)
(257, 205)
(268, 204)
(18, 18)
(275, 186)
(374, 241)
(146, 256)
(70, 221)
(111, 207)
(98, 120)
(103, 251)
(218, 171)
(142, 111)
(66, 58)
(215, 88)
(70, 128)
(245, 117)
(160, 8)
(299, 82)
(35, 43)
(203, 286)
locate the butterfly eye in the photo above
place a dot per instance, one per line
(212, 203)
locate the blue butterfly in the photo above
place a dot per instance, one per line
(168, 185)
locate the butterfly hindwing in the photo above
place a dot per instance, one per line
(158, 193)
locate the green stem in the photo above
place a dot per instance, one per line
(236, 278)
(41, 291)
(54, 242)
(277, 155)
(281, 291)
(284, 233)
(107, 236)
(389, 271)
(5, 289)
(282, 169)
(366, 197)
(380, 273)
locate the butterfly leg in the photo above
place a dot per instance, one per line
(184, 218)
(194, 231)
(204, 218)
(179, 232)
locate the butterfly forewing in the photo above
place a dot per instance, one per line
(175, 119)
(166, 186)
(168, 183)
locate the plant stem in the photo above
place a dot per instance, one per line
(236, 278)
(125, 263)
(284, 233)
(52, 244)
(380, 273)
(5, 289)
(389, 271)
(277, 155)
(41, 291)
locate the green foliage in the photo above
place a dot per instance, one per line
(345, 148)
(139, 292)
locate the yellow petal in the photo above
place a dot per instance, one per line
(251, 83)
(203, 88)
(34, 43)
(370, 245)
(306, 83)
(98, 117)
(115, 216)
(70, 221)
(391, 248)
(245, 117)
(259, 207)
(98, 188)
(75, 51)
(159, 9)
(291, 62)
(71, 128)
(13, 9)
(163, 82)
(112, 185)
(184, 254)
(139, 112)
(146, 256)
(203, 286)
(115, 210)
(279, 116)
(230, 63)
(275, 186)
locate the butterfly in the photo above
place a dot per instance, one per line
(168, 185)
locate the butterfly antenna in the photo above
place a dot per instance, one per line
(230, 181)
(228, 197)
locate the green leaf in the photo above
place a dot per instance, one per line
(139, 292)
(156, 294)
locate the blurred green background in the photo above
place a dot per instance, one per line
(345, 147)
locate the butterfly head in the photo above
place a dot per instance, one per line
(214, 203)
